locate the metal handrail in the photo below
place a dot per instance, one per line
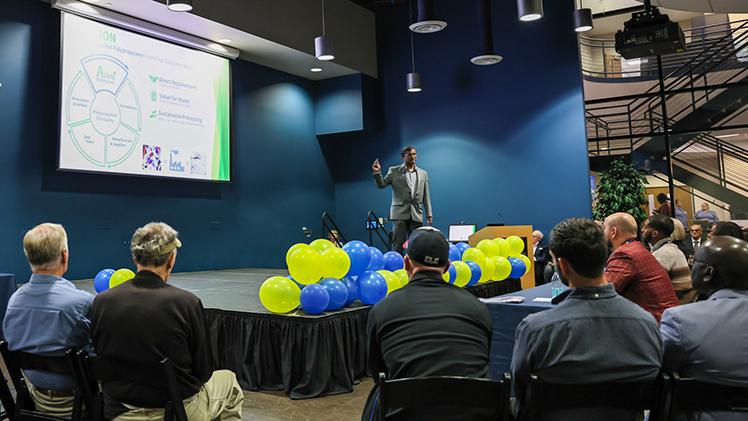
(326, 215)
(372, 217)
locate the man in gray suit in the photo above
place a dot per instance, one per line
(410, 190)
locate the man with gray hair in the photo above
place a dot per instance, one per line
(48, 316)
(146, 319)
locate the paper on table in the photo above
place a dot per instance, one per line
(543, 299)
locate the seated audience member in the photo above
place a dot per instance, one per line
(678, 236)
(146, 319)
(48, 316)
(706, 214)
(664, 208)
(636, 274)
(540, 254)
(593, 335)
(730, 229)
(706, 340)
(680, 214)
(656, 232)
(334, 239)
(427, 328)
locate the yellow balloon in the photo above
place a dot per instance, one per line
(446, 275)
(305, 265)
(516, 243)
(335, 263)
(474, 255)
(402, 274)
(120, 276)
(504, 247)
(502, 268)
(489, 248)
(463, 272)
(279, 294)
(487, 273)
(393, 282)
(321, 244)
(292, 249)
(527, 263)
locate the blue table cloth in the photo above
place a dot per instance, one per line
(505, 317)
(7, 288)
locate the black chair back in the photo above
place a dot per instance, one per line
(429, 392)
(545, 397)
(691, 395)
(23, 408)
(158, 375)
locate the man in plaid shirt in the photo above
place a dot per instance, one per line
(636, 274)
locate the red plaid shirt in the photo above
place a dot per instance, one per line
(638, 276)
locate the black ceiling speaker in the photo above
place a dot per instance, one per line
(485, 28)
(427, 21)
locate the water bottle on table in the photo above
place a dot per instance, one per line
(557, 286)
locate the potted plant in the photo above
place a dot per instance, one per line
(621, 189)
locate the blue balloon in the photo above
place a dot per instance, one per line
(452, 273)
(377, 259)
(314, 299)
(371, 287)
(301, 286)
(101, 281)
(454, 253)
(461, 247)
(338, 293)
(350, 283)
(475, 273)
(360, 255)
(518, 268)
(393, 261)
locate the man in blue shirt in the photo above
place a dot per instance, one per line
(593, 335)
(706, 340)
(48, 316)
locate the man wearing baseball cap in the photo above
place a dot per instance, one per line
(428, 327)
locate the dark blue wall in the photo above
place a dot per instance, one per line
(505, 138)
(280, 178)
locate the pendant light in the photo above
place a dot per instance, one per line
(324, 46)
(412, 80)
(485, 26)
(530, 9)
(582, 18)
(427, 21)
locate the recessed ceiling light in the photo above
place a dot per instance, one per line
(225, 40)
(316, 69)
(727, 135)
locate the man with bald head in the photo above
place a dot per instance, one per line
(706, 340)
(636, 274)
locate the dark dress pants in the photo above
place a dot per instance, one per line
(401, 229)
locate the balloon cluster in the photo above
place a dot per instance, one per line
(490, 260)
(324, 277)
(109, 278)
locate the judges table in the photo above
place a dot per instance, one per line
(505, 317)
(7, 288)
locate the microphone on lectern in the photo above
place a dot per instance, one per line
(502, 218)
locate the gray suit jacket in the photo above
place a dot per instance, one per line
(405, 206)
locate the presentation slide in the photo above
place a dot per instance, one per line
(135, 105)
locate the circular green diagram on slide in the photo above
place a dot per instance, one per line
(103, 111)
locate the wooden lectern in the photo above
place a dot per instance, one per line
(522, 231)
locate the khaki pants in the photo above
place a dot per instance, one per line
(61, 407)
(219, 398)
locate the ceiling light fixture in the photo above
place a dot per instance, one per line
(582, 18)
(427, 21)
(412, 80)
(225, 40)
(179, 5)
(324, 46)
(485, 27)
(530, 9)
(315, 69)
(727, 135)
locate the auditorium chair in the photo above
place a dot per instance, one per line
(429, 392)
(158, 375)
(637, 397)
(23, 408)
(691, 395)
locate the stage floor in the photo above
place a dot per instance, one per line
(232, 290)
